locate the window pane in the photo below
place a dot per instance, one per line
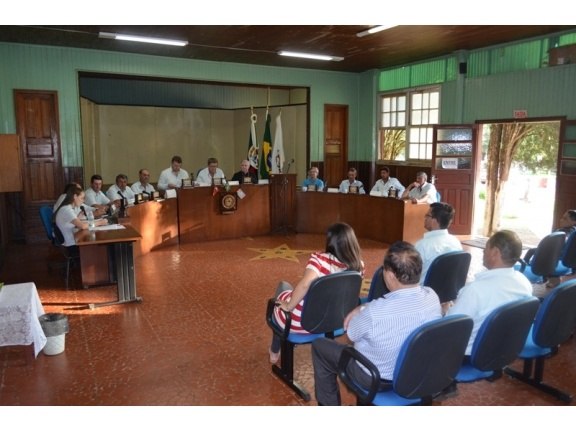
(392, 144)
(386, 120)
(434, 99)
(433, 117)
(416, 117)
(402, 103)
(386, 104)
(417, 101)
(401, 119)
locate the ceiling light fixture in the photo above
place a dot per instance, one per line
(310, 56)
(373, 30)
(160, 41)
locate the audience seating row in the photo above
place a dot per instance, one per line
(432, 358)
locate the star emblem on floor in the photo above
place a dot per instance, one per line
(282, 252)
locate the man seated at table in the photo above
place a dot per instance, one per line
(143, 185)
(351, 185)
(312, 182)
(387, 186)
(420, 192)
(94, 197)
(245, 175)
(171, 178)
(120, 190)
(211, 174)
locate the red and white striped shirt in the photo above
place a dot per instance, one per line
(322, 263)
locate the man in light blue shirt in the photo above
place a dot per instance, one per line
(351, 185)
(312, 181)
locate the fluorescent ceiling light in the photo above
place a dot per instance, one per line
(142, 39)
(373, 30)
(310, 56)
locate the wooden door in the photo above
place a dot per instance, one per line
(454, 163)
(566, 177)
(335, 144)
(37, 125)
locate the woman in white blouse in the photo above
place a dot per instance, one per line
(67, 220)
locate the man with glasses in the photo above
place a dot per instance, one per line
(437, 240)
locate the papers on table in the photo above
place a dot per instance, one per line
(109, 227)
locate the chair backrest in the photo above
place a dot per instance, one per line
(568, 254)
(329, 299)
(447, 274)
(431, 356)
(503, 334)
(377, 286)
(556, 319)
(46, 217)
(547, 254)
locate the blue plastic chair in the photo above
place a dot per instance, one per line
(499, 340)
(540, 263)
(554, 324)
(447, 274)
(328, 300)
(428, 362)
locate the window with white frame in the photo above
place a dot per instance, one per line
(406, 122)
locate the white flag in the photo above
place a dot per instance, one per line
(278, 148)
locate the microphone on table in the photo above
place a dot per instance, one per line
(288, 167)
(83, 210)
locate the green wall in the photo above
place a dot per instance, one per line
(35, 67)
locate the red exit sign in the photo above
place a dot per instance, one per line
(520, 114)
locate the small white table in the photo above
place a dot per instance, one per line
(20, 308)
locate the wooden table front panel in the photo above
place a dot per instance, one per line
(200, 218)
(157, 222)
(377, 218)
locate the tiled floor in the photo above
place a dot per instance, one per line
(199, 337)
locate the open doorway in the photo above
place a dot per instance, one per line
(516, 187)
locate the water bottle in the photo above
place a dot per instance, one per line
(90, 217)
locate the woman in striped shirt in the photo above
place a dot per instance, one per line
(342, 252)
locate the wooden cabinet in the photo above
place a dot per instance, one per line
(10, 164)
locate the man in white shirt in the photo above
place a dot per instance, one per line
(120, 190)
(437, 240)
(94, 197)
(351, 185)
(171, 178)
(385, 183)
(208, 175)
(420, 191)
(143, 185)
(498, 285)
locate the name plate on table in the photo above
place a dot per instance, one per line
(187, 183)
(154, 195)
(138, 198)
(247, 180)
(353, 189)
(311, 188)
(217, 181)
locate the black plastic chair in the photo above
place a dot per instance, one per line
(377, 286)
(554, 324)
(447, 274)
(428, 361)
(46, 214)
(499, 340)
(328, 300)
(540, 263)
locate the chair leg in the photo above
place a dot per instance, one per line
(286, 370)
(535, 379)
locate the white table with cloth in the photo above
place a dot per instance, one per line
(20, 308)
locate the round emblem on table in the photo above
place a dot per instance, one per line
(228, 201)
